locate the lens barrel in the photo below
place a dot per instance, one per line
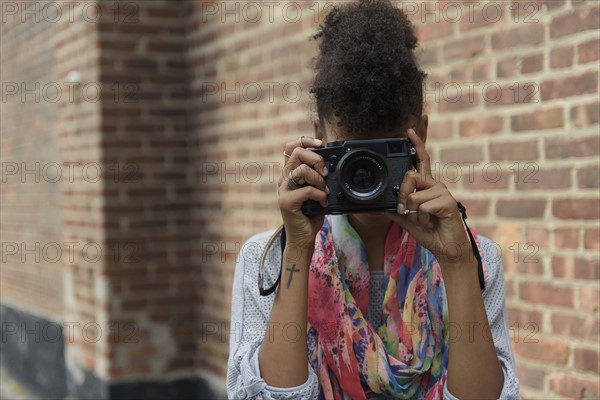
(362, 176)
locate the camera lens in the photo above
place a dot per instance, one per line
(362, 176)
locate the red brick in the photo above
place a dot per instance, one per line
(588, 177)
(530, 178)
(532, 64)
(579, 3)
(537, 120)
(481, 72)
(477, 207)
(462, 154)
(486, 230)
(507, 68)
(458, 75)
(482, 18)
(453, 98)
(429, 56)
(587, 360)
(566, 238)
(538, 235)
(486, 178)
(573, 22)
(514, 151)
(553, 4)
(589, 297)
(481, 125)
(575, 387)
(464, 48)
(531, 377)
(584, 328)
(546, 294)
(521, 208)
(549, 351)
(165, 12)
(591, 238)
(584, 115)
(557, 88)
(529, 261)
(589, 51)
(440, 128)
(570, 267)
(585, 209)
(572, 147)
(528, 34)
(117, 45)
(515, 93)
(524, 13)
(166, 46)
(520, 318)
(433, 30)
(561, 57)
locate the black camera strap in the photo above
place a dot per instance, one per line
(266, 292)
(281, 230)
(463, 213)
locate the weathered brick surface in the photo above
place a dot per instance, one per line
(217, 90)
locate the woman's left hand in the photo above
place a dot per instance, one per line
(437, 224)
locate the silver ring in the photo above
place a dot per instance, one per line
(410, 212)
(302, 143)
(286, 155)
(293, 179)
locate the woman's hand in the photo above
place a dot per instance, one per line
(302, 179)
(437, 224)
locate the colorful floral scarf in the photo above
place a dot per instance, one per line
(409, 351)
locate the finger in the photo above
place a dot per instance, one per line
(433, 207)
(412, 181)
(309, 176)
(292, 200)
(302, 142)
(304, 156)
(307, 142)
(304, 175)
(416, 200)
(424, 161)
(424, 214)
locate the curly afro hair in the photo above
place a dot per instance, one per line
(366, 71)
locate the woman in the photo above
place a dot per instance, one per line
(372, 305)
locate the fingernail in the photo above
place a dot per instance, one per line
(327, 189)
(325, 171)
(318, 142)
(401, 208)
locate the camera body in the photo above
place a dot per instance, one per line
(364, 175)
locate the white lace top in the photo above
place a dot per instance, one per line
(251, 311)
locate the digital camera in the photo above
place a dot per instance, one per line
(364, 175)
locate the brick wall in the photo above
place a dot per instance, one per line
(197, 99)
(512, 96)
(31, 228)
(147, 211)
(541, 133)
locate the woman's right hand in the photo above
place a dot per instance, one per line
(302, 179)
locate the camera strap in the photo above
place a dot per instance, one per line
(463, 213)
(281, 233)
